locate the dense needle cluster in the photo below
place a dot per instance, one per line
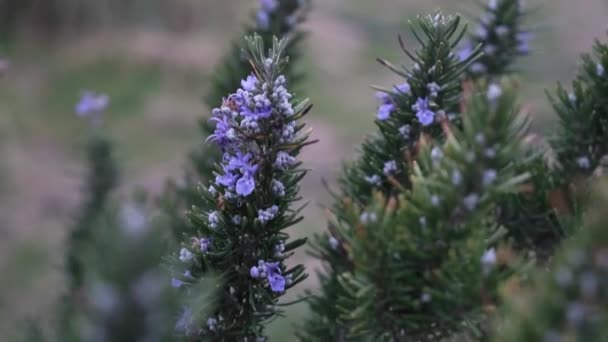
(249, 203)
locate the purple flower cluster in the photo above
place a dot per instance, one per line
(272, 272)
(252, 111)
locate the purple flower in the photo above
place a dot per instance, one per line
(185, 321)
(494, 92)
(227, 179)
(258, 113)
(284, 160)
(423, 113)
(91, 103)
(502, 30)
(478, 68)
(240, 161)
(384, 111)
(466, 50)
(249, 83)
(254, 272)
(383, 97)
(523, 41)
(263, 20)
(403, 88)
(245, 185)
(268, 214)
(176, 283)
(390, 167)
(269, 5)
(222, 127)
(481, 32)
(275, 279)
(205, 244)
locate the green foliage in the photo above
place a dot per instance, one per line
(125, 295)
(180, 196)
(241, 234)
(428, 270)
(581, 143)
(532, 223)
(398, 141)
(538, 220)
(100, 181)
(569, 302)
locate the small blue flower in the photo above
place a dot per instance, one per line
(478, 68)
(185, 321)
(204, 244)
(405, 131)
(436, 154)
(227, 179)
(404, 88)
(269, 5)
(284, 160)
(254, 272)
(494, 92)
(176, 283)
(211, 324)
(423, 113)
(91, 103)
(185, 255)
(249, 83)
(373, 180)
(583, 162)
(384, 111)
(470, 201)
(600, 70)
(489, 176)
(433, 88)
(245, 185)
(275, 279)
(492, 5)
(278, 188)
(333, 243)
(465, 51)
(523, 40)
(214, 219)
(390, 167)
(501, 30)
(481, 32)
(263, 19)
(268, 214)
(366, 217)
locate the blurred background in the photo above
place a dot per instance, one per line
(153, 57)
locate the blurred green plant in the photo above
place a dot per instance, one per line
(569, 302)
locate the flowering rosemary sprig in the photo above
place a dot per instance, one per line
(581, 142)
(280, 18)
(249, 204)
(425, 264)
(503, 37)
(569, 302)
(427, 99)
(101, 179)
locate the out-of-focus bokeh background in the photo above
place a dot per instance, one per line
(153, 58)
